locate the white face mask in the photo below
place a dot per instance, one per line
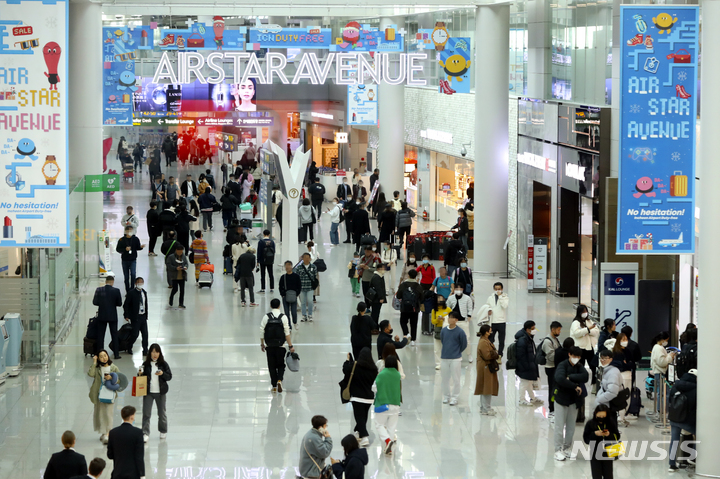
(412, 260)
(458, 292)
(623, 344)
(463, 265)
(335, 203)
(664, 343)
(374, 248)
(584, 315)
(139, 286)
(533, 332)
(498, 292)
(574, 361)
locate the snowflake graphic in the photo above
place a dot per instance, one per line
(51, 22)
(682, 76)
(52, 223)
(675, 227)
(635, 108)
(675, 156)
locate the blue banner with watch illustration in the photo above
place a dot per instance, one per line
(658, 111)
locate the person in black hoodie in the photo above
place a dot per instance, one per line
(317, 196)
(183, 225)
(602, 427)
(128, 246)
(356, 458)
(686, 385)
(168, 221)
(527, 368)
(228, 204)
(377, 283)
(158, 373)
(363, 371)
(570, 379)
(153, 226)
(385, 336)
(561, 354)
(361, 327)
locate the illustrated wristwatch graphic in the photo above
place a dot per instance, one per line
(440, 36)
(50, 170)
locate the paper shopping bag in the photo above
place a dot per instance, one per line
(139, 387)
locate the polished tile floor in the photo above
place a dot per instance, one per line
(225, 423)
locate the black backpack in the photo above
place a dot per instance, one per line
(409, 299)
(678, 407)
(274, 331)
(540, 356)
(511, 356)
(269, 253)
(687, 359)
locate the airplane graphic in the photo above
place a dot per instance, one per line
(268, 28)
(671, 242)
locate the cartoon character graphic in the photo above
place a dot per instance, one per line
(455, 66)
(664, 22)
(26, 149)
(351, 33)
(127, 81)
(644, 186)
(51, 52)
(219, 29)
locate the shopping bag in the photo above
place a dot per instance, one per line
(106, 396)
(678, 184)
(139, 387)
(615, 450)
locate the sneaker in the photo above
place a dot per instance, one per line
(262, 291)
(559, 456)
(488, 412)
(388, 448)
(163, 435)
(551, 414)
(104, 438)
(243, 303)
(437, 367)
(146, 438)
(470, 360)
(453, 402)
(446, 400)
(357, 435)
(309, 318)
(273, 390)
(412, 343)
(537, 401)
(236, 290)
(279, 386)
(525, 403)
(365, 442)
(569, 454)
(304, 318)
(673, 469)
(252, 305)
(182, 306)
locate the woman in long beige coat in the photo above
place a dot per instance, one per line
(487, 380)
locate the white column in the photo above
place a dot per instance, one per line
(391, 120)
(539, 63)
(708, 414)
(85, 115)
(492, 28)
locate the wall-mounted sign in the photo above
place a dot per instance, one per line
(362, 104)
(658, 77)
(341, 137)
(33, 124)
(441, 136)
(97, 183)
(326, 116)
(455, 66)
(274, 36)
(189, 122)
(575, 172)
(537, 161)
(226, 141)
(619, 300)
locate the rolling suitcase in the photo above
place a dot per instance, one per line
(635, 402)
(88, 346)
(207, 267)
(228, 265)
(92, 328)
(205, 279)
(678, 184)
(126, 338)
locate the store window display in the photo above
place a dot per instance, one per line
(455, 183)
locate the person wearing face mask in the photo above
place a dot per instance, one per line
(335, 213)
(439, 319)
(366, 269)
(158, 373)
(388, 255)
(410, 264)
(356, 458)
(128, 246)
(599, 429)
(103, 413)
(377, 292)
(659, 361)
(487, 384)
(605, 333)
(410, 294)
(497, 304)
(625, 365)
(403, 223)
(315, 447)
(344, 192)
(462, 305)
(349, 208)
(612, 380)
(135, 311)
(454, 342)
(570, 379)
(427, 273)
(386, 336)
(585, 333)
(386, 223)
(527, 368)
(463, 275)
(454, 251)
(549, 345)
(462, 227)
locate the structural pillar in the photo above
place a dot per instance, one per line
(539, 64)
(391, 122)
(708, 414)
(492, 28)
(85, 117)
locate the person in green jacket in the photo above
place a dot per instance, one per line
(387, 402)
(103, 413)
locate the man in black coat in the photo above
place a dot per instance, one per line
(234, 186)
(183, 226)
(344, 192)
(107, 298)
(125, 447)
(349, 209)
(189, 189)
(128, 246)
(95, 469)
(168, 221)
(317, 196)
(385, 337)
(135, 310)
(153, 225)
(452, 258)
(527, 368)
(570, 379)
(361, 225)
(66, 463)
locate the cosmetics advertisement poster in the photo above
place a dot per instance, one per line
(658, 113)
(33, 124)
(163, 98)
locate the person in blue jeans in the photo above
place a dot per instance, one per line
(308, 276)
(290, 281)
(443, 284)
(334, 213)
(128, 246)
(686, 385)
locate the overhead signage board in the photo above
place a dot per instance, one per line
(658, 110)
(274, 36)
(358, 37)
(619, 299)
(33, 124)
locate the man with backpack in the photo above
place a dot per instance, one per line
(545, 356)
(688, 358)
(409, 293)
(266, 259)
(274, 332)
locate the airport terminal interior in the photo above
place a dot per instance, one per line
(164, 163)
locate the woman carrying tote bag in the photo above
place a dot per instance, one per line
(103, 412)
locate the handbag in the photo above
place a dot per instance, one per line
(325, 472)
(396, 303)
(371, 295)
(216, 206)
(615, 449)
(679, 57)
(290, 294)
(320, 265)
(198, 42)
(620, 402)
(105, 395)
(346, 392)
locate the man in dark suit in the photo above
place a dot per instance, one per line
(66, 463)
(126, 448)
(136, 311)
(361, 225)
(189, 189)
(95, 469)
(153, 226)
(107, 298)
(344, 192)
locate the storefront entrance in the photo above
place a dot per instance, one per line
(569, 244)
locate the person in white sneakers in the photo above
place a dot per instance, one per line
(454, 342)
(548, 345)
(158, 373)
(462, 305)
(497, 313)
(274, 333)
(527, 368)
(570, 379)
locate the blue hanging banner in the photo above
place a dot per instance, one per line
(659, 47)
